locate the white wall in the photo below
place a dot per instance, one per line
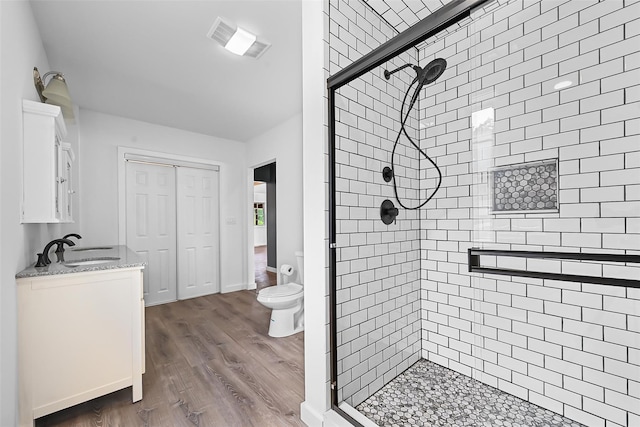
(1, 206)
(316, 345)
(101, 136)
(283, 144)
(21, 49)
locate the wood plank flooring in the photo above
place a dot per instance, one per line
(211, 363)
(263, 277)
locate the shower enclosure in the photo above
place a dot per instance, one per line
(521, 268)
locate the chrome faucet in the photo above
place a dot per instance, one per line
(60, 247)
(43, 258)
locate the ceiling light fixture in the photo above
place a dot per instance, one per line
(236, 39)
(55, 92)
(240, 42)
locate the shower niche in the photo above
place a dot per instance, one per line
(483, 127)
(525, 187)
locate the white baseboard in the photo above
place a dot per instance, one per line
(234, 288)
(272, 269)
(310, 416)
(313, 418)
(252, 286)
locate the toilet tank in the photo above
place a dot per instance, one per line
(300, 258)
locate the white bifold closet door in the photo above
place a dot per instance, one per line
(151, 227)
(197, 232)
(172, 221)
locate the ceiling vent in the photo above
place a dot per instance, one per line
(222, 31)
(257, 49)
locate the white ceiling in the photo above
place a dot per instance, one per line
(151, 61)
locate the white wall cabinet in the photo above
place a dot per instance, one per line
(80, 336)
(47, 190)
(66, 188)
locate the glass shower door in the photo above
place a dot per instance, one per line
(555, 150)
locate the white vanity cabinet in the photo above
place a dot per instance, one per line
(80, 336)
(47, 165)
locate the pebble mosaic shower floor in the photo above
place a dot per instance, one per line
(428, 394)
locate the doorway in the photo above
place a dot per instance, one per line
(264, 225)
(172, 221)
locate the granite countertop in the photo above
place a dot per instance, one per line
(117, 256)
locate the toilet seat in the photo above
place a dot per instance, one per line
(280, 292)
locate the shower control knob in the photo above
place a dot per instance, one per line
(387, 174)
(388, 212)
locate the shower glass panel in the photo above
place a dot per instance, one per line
(543, 131)
(377, 265)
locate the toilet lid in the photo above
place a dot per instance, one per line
(281, 290)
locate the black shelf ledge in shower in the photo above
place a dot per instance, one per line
(475, 267)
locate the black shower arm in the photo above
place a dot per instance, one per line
(387, 74)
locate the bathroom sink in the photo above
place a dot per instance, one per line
(92, 261)
(96, 248)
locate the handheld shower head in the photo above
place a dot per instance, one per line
(431, 72)
(426, 75)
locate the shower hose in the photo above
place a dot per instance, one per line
(403, 120)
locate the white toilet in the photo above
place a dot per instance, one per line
(285, 302)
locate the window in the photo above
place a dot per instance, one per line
(258, 214)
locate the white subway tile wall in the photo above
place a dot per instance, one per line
(569, 347)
